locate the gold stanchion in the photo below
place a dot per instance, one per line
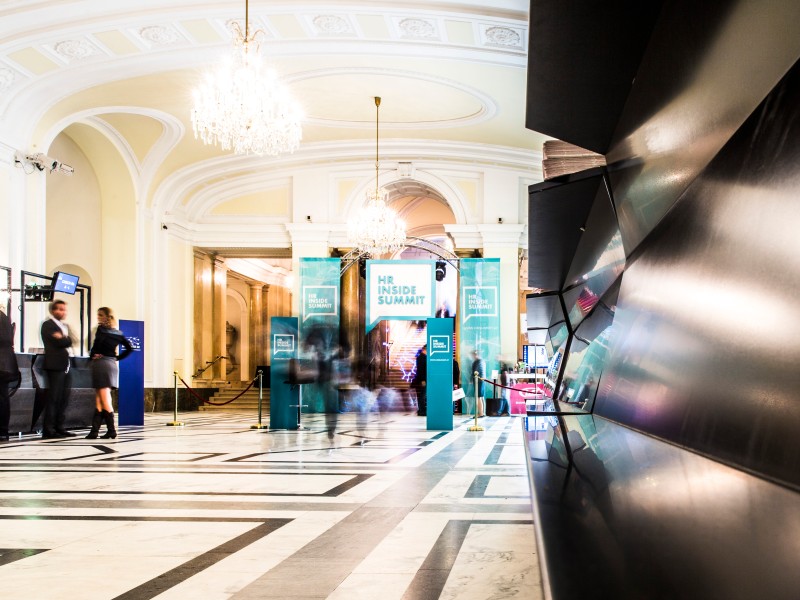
(175, 422)
(258, 425)
(476, 427)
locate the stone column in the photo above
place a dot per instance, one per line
(309, 240)
(203, 301)
(352, 320)
(219, 316)
(267, 314)
(256, 327)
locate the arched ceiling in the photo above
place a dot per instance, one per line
(451, 74)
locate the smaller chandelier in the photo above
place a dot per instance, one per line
(243, 106)
(378, 229)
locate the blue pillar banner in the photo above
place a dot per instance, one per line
(440, 374)
(400, 290)
(283, 397)
(320, 311)
(479, 314)
(131, 376)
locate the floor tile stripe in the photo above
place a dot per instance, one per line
(173, 577)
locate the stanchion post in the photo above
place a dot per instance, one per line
(175, 422)
(476, 427)
(260, 375)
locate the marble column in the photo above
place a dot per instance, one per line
(262, 352)
(219, 316)
(203, 301)
(256, 327)
(352, 320)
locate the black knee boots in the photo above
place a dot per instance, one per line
(97, 420)
(109, 418)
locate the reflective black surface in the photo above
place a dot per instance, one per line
(583, 58)
(640, 518)
(707, 67)
(707, 332)
(558, 218)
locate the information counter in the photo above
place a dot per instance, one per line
(28, 402)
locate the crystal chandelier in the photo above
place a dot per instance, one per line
(377, 229)
(243, 106)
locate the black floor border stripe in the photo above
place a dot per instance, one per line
(431, 577)
(168, 580)
(477, 488)
(134, 518)
(9, 555)
(355, 479)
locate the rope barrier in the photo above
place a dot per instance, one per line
(505, 387)
(204, 401)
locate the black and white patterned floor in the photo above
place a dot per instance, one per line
(217, 510)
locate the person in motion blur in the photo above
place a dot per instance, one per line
(420, 381)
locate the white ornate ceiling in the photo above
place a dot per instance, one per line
(452, 75)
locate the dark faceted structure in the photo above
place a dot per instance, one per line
(670, 282)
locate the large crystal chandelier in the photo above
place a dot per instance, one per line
(242, 105)
(378, 229)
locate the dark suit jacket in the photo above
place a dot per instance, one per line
(421, 371)
(56, 351)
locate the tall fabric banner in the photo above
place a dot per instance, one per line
(479, 314)
(283, 397)
(320, 313)
(131, 375)
(440, 374)
(400, 290)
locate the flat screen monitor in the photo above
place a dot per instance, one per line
(535, 356)
(64, 282)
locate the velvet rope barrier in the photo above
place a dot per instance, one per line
(204, 401)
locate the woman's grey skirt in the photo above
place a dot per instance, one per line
(105, 373)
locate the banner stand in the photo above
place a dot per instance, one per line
(440, 375)
(130, 409)
(283, 395)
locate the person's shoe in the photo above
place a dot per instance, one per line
(65, 433)
(109, 419)
(52, 435)
(3, 438)
(97, 421)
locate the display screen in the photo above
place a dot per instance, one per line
(64, 282)
(535, 356)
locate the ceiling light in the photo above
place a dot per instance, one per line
(378, 229)
(242, 105)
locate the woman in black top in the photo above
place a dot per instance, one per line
(105, 370)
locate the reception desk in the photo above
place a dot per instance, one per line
(28, 402)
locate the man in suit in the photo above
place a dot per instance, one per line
(57, 342)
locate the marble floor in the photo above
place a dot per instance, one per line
(216, 510)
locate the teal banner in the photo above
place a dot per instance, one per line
(400, 290)
(479, 314)
(440, 374)
(283, 397)
(320, 311)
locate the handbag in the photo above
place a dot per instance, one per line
(458, 394)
